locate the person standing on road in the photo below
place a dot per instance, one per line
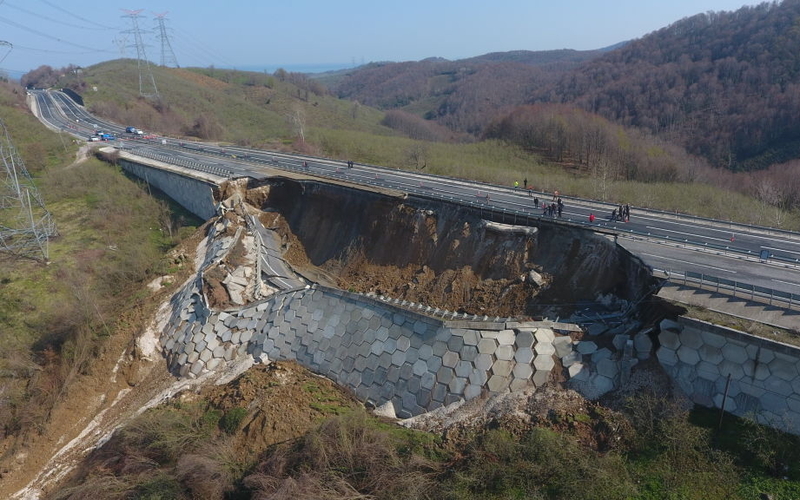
(591, 218)
(536, 202)
(627, 213)
(525, 183)
(516, 184)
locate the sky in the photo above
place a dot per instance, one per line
(316, 35)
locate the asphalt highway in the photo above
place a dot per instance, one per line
(676, 244)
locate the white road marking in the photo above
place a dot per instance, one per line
(780, 250)
(786, 283)
(689, 234)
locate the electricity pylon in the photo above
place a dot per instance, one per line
(25, 224)
(147, 83)
(167, 54)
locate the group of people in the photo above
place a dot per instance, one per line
(621, 214)
(550, 209)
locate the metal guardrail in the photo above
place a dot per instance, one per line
(736, 289)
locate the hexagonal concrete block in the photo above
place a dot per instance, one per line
(469, 353)
(497, 383)
(428, 380)
(691, 338)
(457, 385)
(735, 370)
(403, 343)
(642, 345)
(524, 339)
(571, 358)
(523, 371)
(540, 378)
(544, 335)
(579, 371)
(586, 347)
(543, 363)
(478, 377)
(398, 358)
(439, 348)
(483, 362)
(778, 386)
(420, 367)
(472, 391)
(487, 346)
(505, 352)
(425, 352)
(502, 367)
(608, 368)
(424, 397)
(710, 353)
(708, 371)
(470, 337)
(376, 348)
(439, 392)
(455, 343)
(563, 346)
(506, 337)
(523, 355)
(783, 369)
(450, 359)
(545, 348)
(463, 368)
(445, 375)
(434, 364)
(713, 339)
(734, 352)
(667, 356)
(669, 339)
(688, 355)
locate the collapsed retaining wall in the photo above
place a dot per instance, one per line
(764, 377)
(384, 352)
(193, 194)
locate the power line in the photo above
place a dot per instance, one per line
(147, 83)
(46, 18)
(61, 9)
(50, 37)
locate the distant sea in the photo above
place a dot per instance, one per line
(296, 68)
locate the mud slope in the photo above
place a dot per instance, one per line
(443, 254)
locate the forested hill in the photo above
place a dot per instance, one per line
(724, 85)
(463, 95)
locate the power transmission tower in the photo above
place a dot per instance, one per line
(167, 54)
(25, 224)
(147, 83)
(122, 45)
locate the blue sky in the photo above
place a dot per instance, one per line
(313, 33)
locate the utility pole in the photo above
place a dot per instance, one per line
(147, 83)
(167, 54)
(25, 224)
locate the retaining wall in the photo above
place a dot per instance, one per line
(384, 352)
(764, 375)
(193, 194)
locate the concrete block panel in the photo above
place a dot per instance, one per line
(772, 384)
(412, 355)
(439, 392)
(483, 362)
(487, 346)
(502, 368)
(667, 357)
(669, 339)
(471, 337)
(710, 353)
(439, 348)
(398, 358)
(774, 403)
(783, 369)
(608, 368)
(359, 365)
(688, 355)
(524, 339)
(735, 370)
(450, 359)
(505, 352)
(445, 375)
(413, 383)
(425, 352)
(708, 371)
(571, 358)
(563, 346)
(377, 347)
(427, 381)
(407, 372)
(472, 392)
(544, 335)
(469, 353)
(390, 345)
(464, 368)
(734, 352)
(434, 363)
(457, 385)
(455, 343)
(424, 397)
(543, 363)
(545, 348)
(523, 371)
(385, 360)
(586, 347)
(478, 377)
(497, 383)
(506, 337)
(393, 374)
(403, 343)
(382, 333)
(523, 355)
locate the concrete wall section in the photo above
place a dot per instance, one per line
(764, 375)
(191, 193)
